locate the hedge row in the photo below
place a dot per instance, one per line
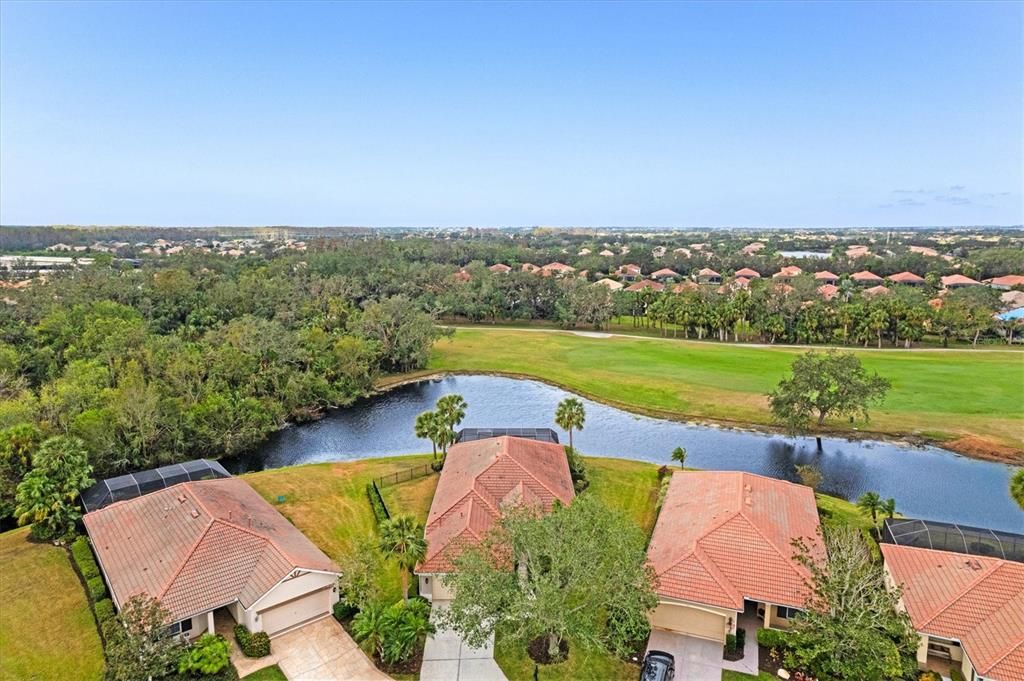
(86, 563)
(380, 512)
(253, 644)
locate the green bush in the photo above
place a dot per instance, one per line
(730, 643)
(343, 610)
(380, 513)
(741, 637)
(578, 470)
(209, 655)
(104, 609)
(96, 588)
(110, 630)
(773, 638)
(82, 554)
(252, 644)
(956, 675)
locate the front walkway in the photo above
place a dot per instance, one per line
(318, 651)
(446, 657)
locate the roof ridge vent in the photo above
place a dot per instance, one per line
(194, 513)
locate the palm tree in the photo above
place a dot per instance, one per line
(679, 454)
(1017, 487)
(426, 428)
(451, 409)
(570, 415)
(870, 502)
(888, 507)
(402, 538)
(369, 628)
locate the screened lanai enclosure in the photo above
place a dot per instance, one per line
(973, 541)
(106, 492)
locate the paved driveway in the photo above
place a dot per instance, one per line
(319, 651)
(698, 659)
(446, 657)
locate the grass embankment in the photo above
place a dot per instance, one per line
(328, 503)
(961, 398)
(271, 673)
(46, 628)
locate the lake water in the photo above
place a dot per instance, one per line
(805, 254)
(926, 482)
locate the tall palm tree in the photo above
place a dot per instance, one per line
(426, 428)
(870, 502)
(888, 507)
(570, 416)
(402, 539)
(679, 454)
(452, 409)
(1017, 487)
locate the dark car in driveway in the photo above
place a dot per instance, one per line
(658, 666)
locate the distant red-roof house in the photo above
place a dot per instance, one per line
(199, 546)
(461, 275)
(752, 248)
(865, 277)
(959, 281)
(782, 288)
(965, 607)
(741, 282)
(665, 273)
(556, 269)
(924, 250)
(645, 284)
(528, 267)
(708, 276)
(908, 278)
(935, 303)
(828, 291)
(500, 268)
(748, 273)
(788, 272)
(826, 277)
(479, 479)
(629, 272)
(723, 539)
(1007, 282)
(685, 286)
(857, 251)
(876, 291)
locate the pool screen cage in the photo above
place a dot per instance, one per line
(974, 541)
(541, 434)
(111, 490)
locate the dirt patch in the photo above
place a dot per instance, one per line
(978, 447)
(538, 651)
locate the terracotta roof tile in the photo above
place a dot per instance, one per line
(198, 545)
(976, 600)
(725, 536)
(865, 276)
(481, 477)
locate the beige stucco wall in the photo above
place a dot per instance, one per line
(432, 587)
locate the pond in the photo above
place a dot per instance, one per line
(926, 482)
(820, 255)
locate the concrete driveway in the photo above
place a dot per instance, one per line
(698, 659)
(319, 651)
(446, 657)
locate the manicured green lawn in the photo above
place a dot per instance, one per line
(739, 676)
(328, 502)
(271, 673)
(960, 396)
(518, 666)
(46, 628)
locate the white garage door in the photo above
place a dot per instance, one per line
(296, 611)
(689, 621)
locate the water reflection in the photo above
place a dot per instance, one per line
(926, 482)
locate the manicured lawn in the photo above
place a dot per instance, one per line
(271, 673)
(46, 628)
(943, 395)
(328, 502)
(627, 486)
(739, 676)
(580, 664)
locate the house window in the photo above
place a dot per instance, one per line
(186, 625)
(782, 612)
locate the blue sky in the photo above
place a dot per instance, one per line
(726, 114)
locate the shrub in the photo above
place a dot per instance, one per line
(82, 555)
(773, 638)
(96, 588)
(437, 464)
(663, 471)
(663, 490)
(380, 513)
(741, 637)
(343, 610)
(209, 655)
(956, 675)
(577, 470)
(730, 643)
(252, 644)
(104, 609)
(929, 676)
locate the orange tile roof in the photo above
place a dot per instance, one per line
(645, 283)
(906, 278)
(665, 272)
(864, 275)
(788, 271)
(825, 274)
(828, 291)
(499, 267)
(724, 536)
(708, 272)
(976, 600)
(1007, 280)
(959, 279)
(685, 286)
(877, 291)
(199, 545)
(479, 478)
(558, 267)
(748, 273)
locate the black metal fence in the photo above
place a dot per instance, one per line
(404, 475)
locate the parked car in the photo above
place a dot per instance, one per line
(658, 666)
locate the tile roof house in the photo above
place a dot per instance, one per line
(610, 284)
(479, 479)
(826, 277)
(500, 268)
(958, 281)
(908, 278)
(828, 291)
(708, 276)
(630, 272)
(924, 250)
(723, 545)
(557, 269)
(748, 273)
(645, 284)
(876, 291)
(209, 544)
(967, 609)
(1007, 282)
(665, 273)
(787, 273)
(865, 277)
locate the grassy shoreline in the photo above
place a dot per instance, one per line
(954, 399)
